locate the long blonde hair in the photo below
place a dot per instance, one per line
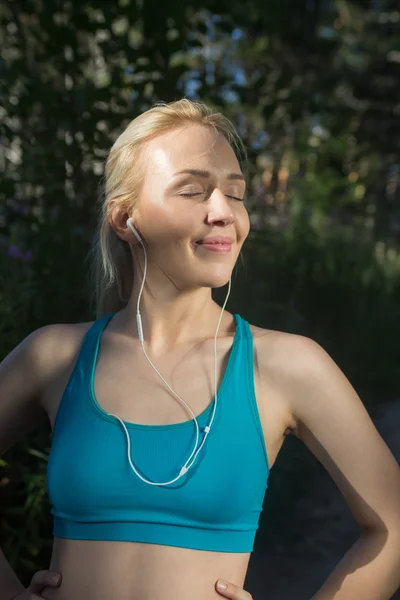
(110, 260)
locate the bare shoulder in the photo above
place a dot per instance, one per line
(27, 371)
(308, 378)
(55, 347)
(282, 360)
(59, 339)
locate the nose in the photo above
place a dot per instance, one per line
(220, 207)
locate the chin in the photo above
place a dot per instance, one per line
(216, 282)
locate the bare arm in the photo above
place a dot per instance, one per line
(23, 374)
(334, 424)
(10, 585)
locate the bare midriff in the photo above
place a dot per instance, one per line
(104, 570)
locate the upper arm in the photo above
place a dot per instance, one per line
(23, 374)
(335, 425)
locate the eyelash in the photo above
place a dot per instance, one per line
(198, 193)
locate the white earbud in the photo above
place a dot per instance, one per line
(131, 227)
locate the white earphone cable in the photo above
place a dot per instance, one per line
(207, 429)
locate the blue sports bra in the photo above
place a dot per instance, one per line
(215, 506)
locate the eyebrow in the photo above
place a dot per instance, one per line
(200, 173)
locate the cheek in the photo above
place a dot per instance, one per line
(182, 224)
(168, 230)
(243, 224)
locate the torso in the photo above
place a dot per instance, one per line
(133, 571)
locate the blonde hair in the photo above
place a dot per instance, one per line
(111, 265)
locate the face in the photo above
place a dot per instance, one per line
(176, 210)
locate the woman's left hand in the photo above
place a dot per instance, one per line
(233, 591)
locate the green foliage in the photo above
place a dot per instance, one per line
(333, 287)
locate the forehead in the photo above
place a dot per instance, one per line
(192, 146)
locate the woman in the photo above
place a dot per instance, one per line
(157, 499)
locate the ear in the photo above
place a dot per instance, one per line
(118, 219)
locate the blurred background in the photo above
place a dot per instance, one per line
(313, 87)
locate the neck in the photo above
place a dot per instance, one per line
(172, 320)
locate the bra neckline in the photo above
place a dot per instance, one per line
(129, 424)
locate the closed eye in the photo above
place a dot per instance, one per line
(198, 194)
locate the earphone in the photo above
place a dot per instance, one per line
(207, 429)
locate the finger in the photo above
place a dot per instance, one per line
(232, 591)
(44, 578)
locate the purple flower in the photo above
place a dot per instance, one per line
(14, 251)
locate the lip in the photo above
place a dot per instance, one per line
(216, 239)
(221, 248)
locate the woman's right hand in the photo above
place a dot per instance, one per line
(39, 581)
